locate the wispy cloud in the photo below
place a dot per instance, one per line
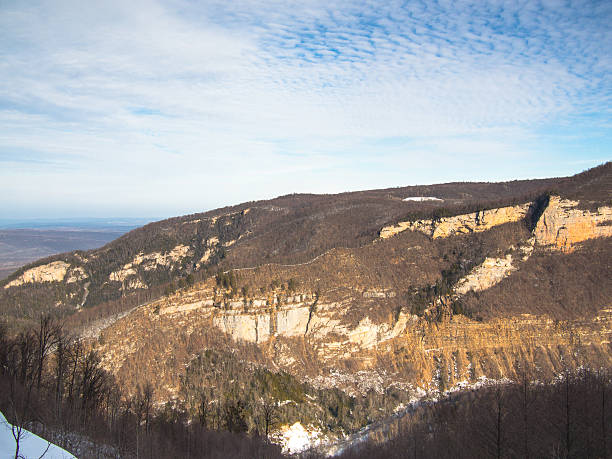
(181, 105)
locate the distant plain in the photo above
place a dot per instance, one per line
(22, 242)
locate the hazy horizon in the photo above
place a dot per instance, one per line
(110, 219)
(76, 222)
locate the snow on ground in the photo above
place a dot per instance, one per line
(482, 381)
(420, 397)
(422, 198)
(295, 439)
(353, 383)
(30, 446)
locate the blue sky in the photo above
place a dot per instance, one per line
(147, 108)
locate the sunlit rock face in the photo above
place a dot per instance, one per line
(562, 225)
(292, 322)
(149, 262)
(370, 329)
(51, 272)
(460, 224)
(489, 273)
(252, 327)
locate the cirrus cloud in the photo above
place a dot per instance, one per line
(166, 107)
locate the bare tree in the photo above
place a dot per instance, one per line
(75, 355)
(62, 351)
(499, 407)
(24, 361)
(203, 410)
(143, 406)
(603, 377)
(46, 339)
(567, 390)
(94, 383)
(524, 378)
(20, 410)
(19, 357)
(269, 413)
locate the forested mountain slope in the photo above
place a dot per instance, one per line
(150, 261)
(340, 310)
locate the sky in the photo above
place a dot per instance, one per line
(162, 108)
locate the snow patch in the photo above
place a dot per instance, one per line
(353, 384)
(296, 438)
(30, 445)
(422, 198)
(481, 382)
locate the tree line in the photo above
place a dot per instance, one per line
(53, 385)
(570, 417)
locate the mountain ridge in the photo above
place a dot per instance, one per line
(308, 225)
(340, 310)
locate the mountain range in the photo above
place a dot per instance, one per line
(341, 311)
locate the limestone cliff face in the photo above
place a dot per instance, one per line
(76, 274)
(211, 245)
(337, 338)
(562, 225)
(266, 322)
(484, 276)
(460, 224)
(464, 350)
(308, 337)
(148, 262)
(51, 272)
(494, 269)
(258, 320)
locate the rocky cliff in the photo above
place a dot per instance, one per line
(51, 272)
(392, 308)
(467, 223)
(310, 338)
(290, 230)
(563, 224)
(347, 292)
(311, 334)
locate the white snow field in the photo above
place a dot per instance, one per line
(30, 447)
(422, 198)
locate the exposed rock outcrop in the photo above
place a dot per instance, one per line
(51, 272)
(149, 262)
(408, 350)
(406, 333)
(254, 328)
(460, 224)
(76, 274)
(123, 273)
(484, 276)
(562, 225)
(493, 270)
(134, 283)
(258, 320)
(373, 293)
